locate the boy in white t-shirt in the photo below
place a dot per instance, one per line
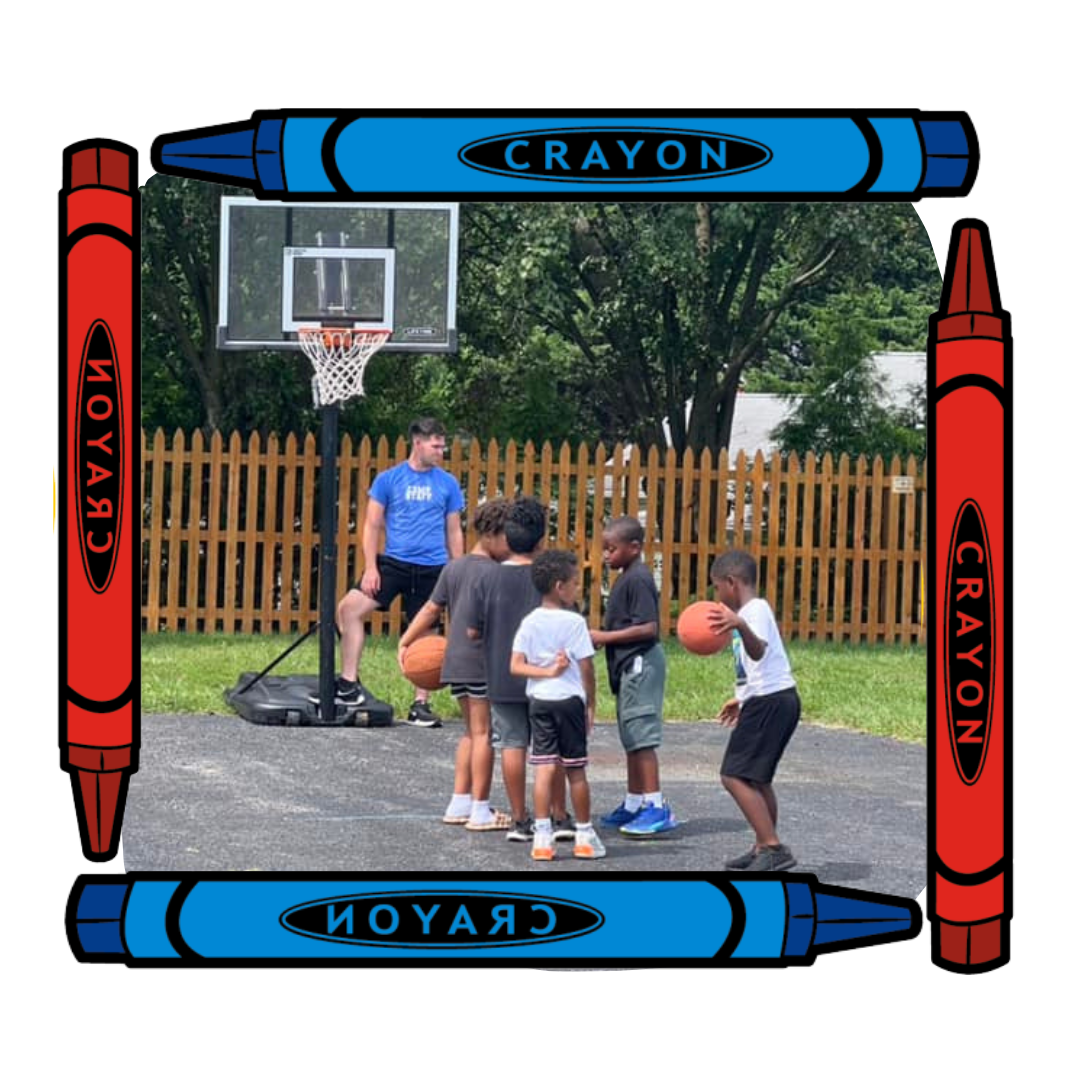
(764, 712)
(553, 650)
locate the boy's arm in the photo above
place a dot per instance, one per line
(627, 636)
(588, 679)
(729, 714)
(520, 666)
(723, 620)
(644, 613)
(424, 620)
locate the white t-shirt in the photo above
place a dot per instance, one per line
(542, 633)
(756, 678)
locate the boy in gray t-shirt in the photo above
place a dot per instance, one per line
(464, 668)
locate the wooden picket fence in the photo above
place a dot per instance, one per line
(230, 532)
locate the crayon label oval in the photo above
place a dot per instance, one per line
(99, 456)
(969, 642)
(433, 919)
(599, 155)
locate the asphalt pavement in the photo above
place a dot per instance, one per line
(218, 793)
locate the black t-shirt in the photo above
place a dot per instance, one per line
(501, 601)
(634, 600)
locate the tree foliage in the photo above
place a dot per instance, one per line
(577, 320)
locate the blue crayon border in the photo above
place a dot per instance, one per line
(500, 957)
(539, 189)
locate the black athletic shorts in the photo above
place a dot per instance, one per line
(412, 582)
(558, 732)
(759, 738)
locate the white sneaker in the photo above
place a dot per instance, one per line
(587, 845)
(543, 846)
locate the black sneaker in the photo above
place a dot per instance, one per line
(420, 715)
(522, 831)
(347, 694)
(769, 860)
(564, 828)
(741, 862)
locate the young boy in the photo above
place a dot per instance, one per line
(552, 649)
(636, 672)
(463, 668)
(763, 713)
(500, 602)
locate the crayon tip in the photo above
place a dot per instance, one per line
(970, 303)
(843, 921)
(246, 153)
(98, 795)
(971, 284)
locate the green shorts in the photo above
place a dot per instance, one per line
(640, 701)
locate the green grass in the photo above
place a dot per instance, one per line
(880, 690)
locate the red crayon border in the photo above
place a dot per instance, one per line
(116, 763)
(993, 933)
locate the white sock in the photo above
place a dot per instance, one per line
(584, 826)
(460, 805)
(543, 824)
(481, 812)
(654, 798)
(633, 801)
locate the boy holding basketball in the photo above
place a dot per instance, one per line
(764, 712)
(636, 673)
(553, 651)
(463, 668)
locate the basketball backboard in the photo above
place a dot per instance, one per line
(288, 265)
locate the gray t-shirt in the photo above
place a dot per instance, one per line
(456, 590)
(501, 601)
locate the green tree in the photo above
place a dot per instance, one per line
(669, 304)
(845, 409)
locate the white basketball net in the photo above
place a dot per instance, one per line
(339, 356)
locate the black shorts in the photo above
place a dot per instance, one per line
(759, 738)
(558, 732)
(411, 581)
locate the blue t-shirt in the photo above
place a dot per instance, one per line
(417, 505)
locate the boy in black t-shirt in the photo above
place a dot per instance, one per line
(500, 602)
(636, 673)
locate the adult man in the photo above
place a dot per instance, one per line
(418, 505)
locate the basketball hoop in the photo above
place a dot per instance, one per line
(339, 356)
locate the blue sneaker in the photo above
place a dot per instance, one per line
(649, 821)
(620, 816)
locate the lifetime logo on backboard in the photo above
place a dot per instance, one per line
(615, 155)
(448, 920)
(99, 449)
(969, 666)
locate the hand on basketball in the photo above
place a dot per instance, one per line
(402, 649)
(722, 619)
(371, 582)
(729, 714)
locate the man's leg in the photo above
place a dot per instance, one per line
(351, 615)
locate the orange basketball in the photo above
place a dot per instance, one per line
(695, 633)
(424, 661)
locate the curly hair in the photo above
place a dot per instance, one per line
(526, 525)
(551, 567)
(489, 518)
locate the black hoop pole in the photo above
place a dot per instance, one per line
(327, 560)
